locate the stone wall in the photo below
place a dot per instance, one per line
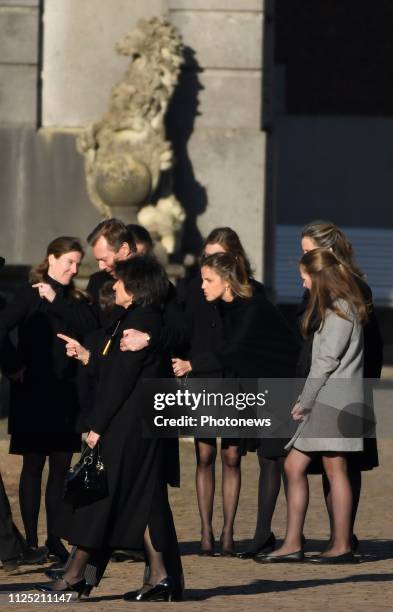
(215, 118)
(220, 174)
(19, 53)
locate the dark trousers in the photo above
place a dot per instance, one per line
(11, 540)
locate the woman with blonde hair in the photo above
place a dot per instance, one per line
(330, 406)
(237, 333)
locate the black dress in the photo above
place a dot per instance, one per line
(372, 366)
(44, 407)
(256, 342)
(138, 468)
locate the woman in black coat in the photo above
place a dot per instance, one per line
(251, 340)
(136, 512)
(44, 402)
(326, 234)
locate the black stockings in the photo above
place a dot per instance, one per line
(206, 452)
(271, 471)
(30, 490)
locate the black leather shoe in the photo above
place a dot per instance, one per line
(163, 591)
(131, 595)
(346, 558)
(226, 552)
(57, 549)
(266, 548)
(294, 557)
(55, 573)
(50, 587)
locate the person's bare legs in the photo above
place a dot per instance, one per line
(295, 465)
(206, 452)
(231, 483)
(335, 466)
(355, 480)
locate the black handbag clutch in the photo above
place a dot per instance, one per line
(86, 481)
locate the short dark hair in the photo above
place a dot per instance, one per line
(140, 234)
(145, 278)
(115, 233)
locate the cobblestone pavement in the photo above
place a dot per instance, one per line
(233, 584)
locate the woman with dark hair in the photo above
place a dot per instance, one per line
(44, 402)
(330, 406)
(327, 235)
(237, 333)
(136, 513)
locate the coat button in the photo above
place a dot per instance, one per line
(214, 324)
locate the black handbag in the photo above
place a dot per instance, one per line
(86, 481)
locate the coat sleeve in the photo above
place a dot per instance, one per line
(118, 377)
(80, 315)
(334, 339)
(15, 313)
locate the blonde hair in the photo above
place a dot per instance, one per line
(327, 235)
(233, 270)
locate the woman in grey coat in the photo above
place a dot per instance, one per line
(330, 407)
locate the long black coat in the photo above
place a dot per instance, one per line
(134, 464)
(251, 340)
(44, 407)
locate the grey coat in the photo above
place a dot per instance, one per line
(333, 394)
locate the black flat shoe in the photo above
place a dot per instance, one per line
(49, 587)
(295, 557)
(163, 591)
(354, 543)
(266, 547)
(345, 558)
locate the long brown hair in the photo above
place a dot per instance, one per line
(59, 246)
(232, 270)
(331, 280)
(230, 242)
(327, 235)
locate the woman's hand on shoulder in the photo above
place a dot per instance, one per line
(75, 349)
(45, 291)
(92, 438)
(181, 367)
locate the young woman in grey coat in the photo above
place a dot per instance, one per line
(329, 409)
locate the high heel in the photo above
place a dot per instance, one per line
(163, 591)
(79, 587)
(208, 552)
(226, 552)
(295, 557)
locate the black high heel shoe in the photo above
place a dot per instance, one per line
(226, 552)
(163, 591)
(208, 552)
(79, 587)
